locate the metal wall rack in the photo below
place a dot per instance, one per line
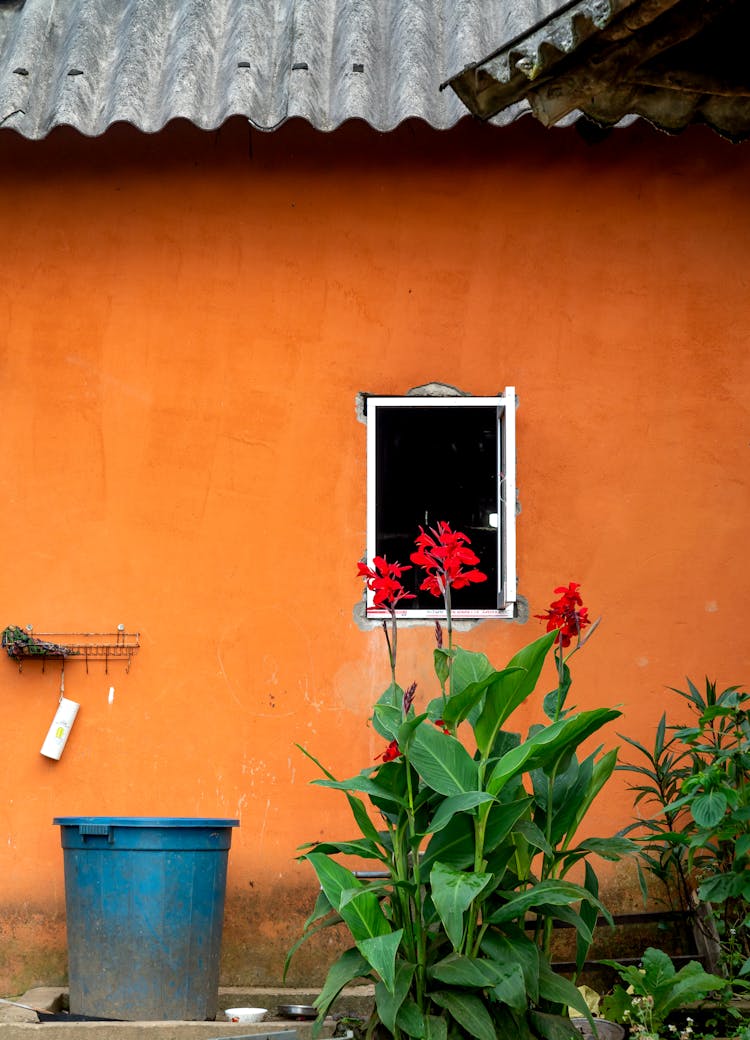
(23, 644)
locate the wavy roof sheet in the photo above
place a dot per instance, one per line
(90, 63)
(674, 62)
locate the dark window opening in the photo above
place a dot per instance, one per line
(451, 459)
(432, 465)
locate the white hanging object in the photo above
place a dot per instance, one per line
(65, 716)
(57, 735)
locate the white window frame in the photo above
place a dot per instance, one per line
(506, 499)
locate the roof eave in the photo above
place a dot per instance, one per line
(606, 71)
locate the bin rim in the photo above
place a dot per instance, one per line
(145, 821)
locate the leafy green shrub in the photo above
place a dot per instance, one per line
(695, 838)
(474, 830)
(654, 990)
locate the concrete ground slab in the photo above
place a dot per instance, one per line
(141, 1030)
(19, 1024)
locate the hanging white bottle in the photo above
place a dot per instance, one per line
(57, 735)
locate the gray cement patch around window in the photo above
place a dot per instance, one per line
(365, 624)
(426, 390)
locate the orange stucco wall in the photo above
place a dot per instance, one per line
(185, 322)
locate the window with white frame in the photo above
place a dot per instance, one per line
(452, 459)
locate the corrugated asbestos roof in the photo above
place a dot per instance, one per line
(674, 62)
(91, 63)
(520, 60)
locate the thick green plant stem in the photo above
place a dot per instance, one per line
(448, 618)
(471, 939)
(548, 864)
(419, 945)
(400, 873)
(392, 643)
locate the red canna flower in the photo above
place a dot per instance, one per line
(443, 553)
(391, 752)
(441, 725)
(382, 579)
(567, 614)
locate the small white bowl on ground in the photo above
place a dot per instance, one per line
(245, 1015)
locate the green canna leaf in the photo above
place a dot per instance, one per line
(387, 714)
(549, 745)
(588, 916)
(389, 1002)
(511, 689)
(501, 820)
(358, 906)
(559, 990)
(380, 951)
(442, 661)
(411, 1021)
(468, 667)
(453, 845)
(453, 892)
(544, 893)
(455, 804)
(364, 785)
(358, 847)
(457, 970)
(513, 946)
(553, 1027)
(350, 965)
(469, 1011)
(435, 1028)
(443, 762)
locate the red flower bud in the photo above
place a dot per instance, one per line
(409, 698)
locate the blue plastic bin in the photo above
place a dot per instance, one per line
(144, 900)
